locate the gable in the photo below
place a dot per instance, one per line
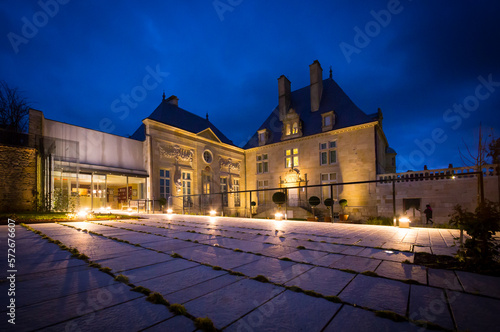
(208, 133)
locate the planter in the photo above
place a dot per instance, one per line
(328, 219)
(312, 219)
(343, 217)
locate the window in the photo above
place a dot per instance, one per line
(186, 189)
(288, 131)
(328, 153)
(328, 178)
(207, 156)
(291, 158)
(262, 163)
(295, 128)
(164, 183)
(206, 184)
(223, 189)
(263, 196)
(327, 121)
(236, 188)
(262, 134)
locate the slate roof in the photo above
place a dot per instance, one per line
(347, 114)
(175, 116)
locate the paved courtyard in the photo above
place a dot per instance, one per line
(243, 274)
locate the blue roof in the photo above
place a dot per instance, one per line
(333, 98)
(175, 116)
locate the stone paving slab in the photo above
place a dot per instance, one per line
(59, 285)
(305, 256)
(351, 319)
(480, 284)
(322, 280)
(265, 266)
(173, 282)
(328, 260)
(128, 316)
(355, 263)
(228, 304)
(176, 323)
(430, 304)
(202, 288)
(388, 255)
(280, 277)
(352, 250)
(171, 245)
(289, 311)
(276, 250)
(225, 258)
(443, 279)
(474, 313)
(135, 259)
(72, 306)
(377, 293)
(402, 271)
(137, 275)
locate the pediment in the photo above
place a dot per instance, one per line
(209, 134)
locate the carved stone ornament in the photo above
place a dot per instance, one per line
(176, 152)
(229, 164)
(293, 176)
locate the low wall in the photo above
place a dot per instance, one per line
(443, 190)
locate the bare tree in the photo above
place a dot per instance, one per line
(494, 151)
(14, 109)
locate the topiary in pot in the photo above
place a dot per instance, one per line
(343, 216)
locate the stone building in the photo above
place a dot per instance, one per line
(317, 135)
(316, 142)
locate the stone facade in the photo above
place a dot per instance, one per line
(196, 163)
(18, 185)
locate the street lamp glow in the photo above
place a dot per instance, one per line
(278, 215)
(169, 211)
(213, 213)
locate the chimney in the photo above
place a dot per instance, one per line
(173, 100)
(316, 73)
(284, 96)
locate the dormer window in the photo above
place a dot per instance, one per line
(262, 134)
(295, 128)
(287, 130)
(328, 120)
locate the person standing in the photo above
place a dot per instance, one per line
(428, 214)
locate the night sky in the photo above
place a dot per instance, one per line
(432, 68)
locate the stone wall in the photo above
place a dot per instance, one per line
(17, 178)
(442, 193)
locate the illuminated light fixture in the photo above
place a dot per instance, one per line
(453, 177)
(404, 222)
(94, 191)
(278, 216)
(389, 252)
(169, 211)
(129, 209)
(82, 213)
(213, 213)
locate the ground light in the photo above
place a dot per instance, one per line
(213, 213)
(170, 211)
(278, 216)
(404, 222)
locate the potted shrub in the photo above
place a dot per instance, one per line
(313, 201)
(343, 216)
(279, 198)
(329, 204)
(163, 202)
(253, 204)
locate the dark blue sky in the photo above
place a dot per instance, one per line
(426, 65)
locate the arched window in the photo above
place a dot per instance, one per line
(295, 129)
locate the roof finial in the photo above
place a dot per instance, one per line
(330, 71)
(163, 94)
(207, 116)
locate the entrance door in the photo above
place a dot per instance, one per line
(293, 197)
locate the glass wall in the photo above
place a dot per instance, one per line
(71, 191)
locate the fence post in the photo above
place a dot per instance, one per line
(251, 204)
(286, 204)
(394, 201)
(331, 196)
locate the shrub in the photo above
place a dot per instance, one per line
(380, 221)
(204, 324)
(481, 225)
